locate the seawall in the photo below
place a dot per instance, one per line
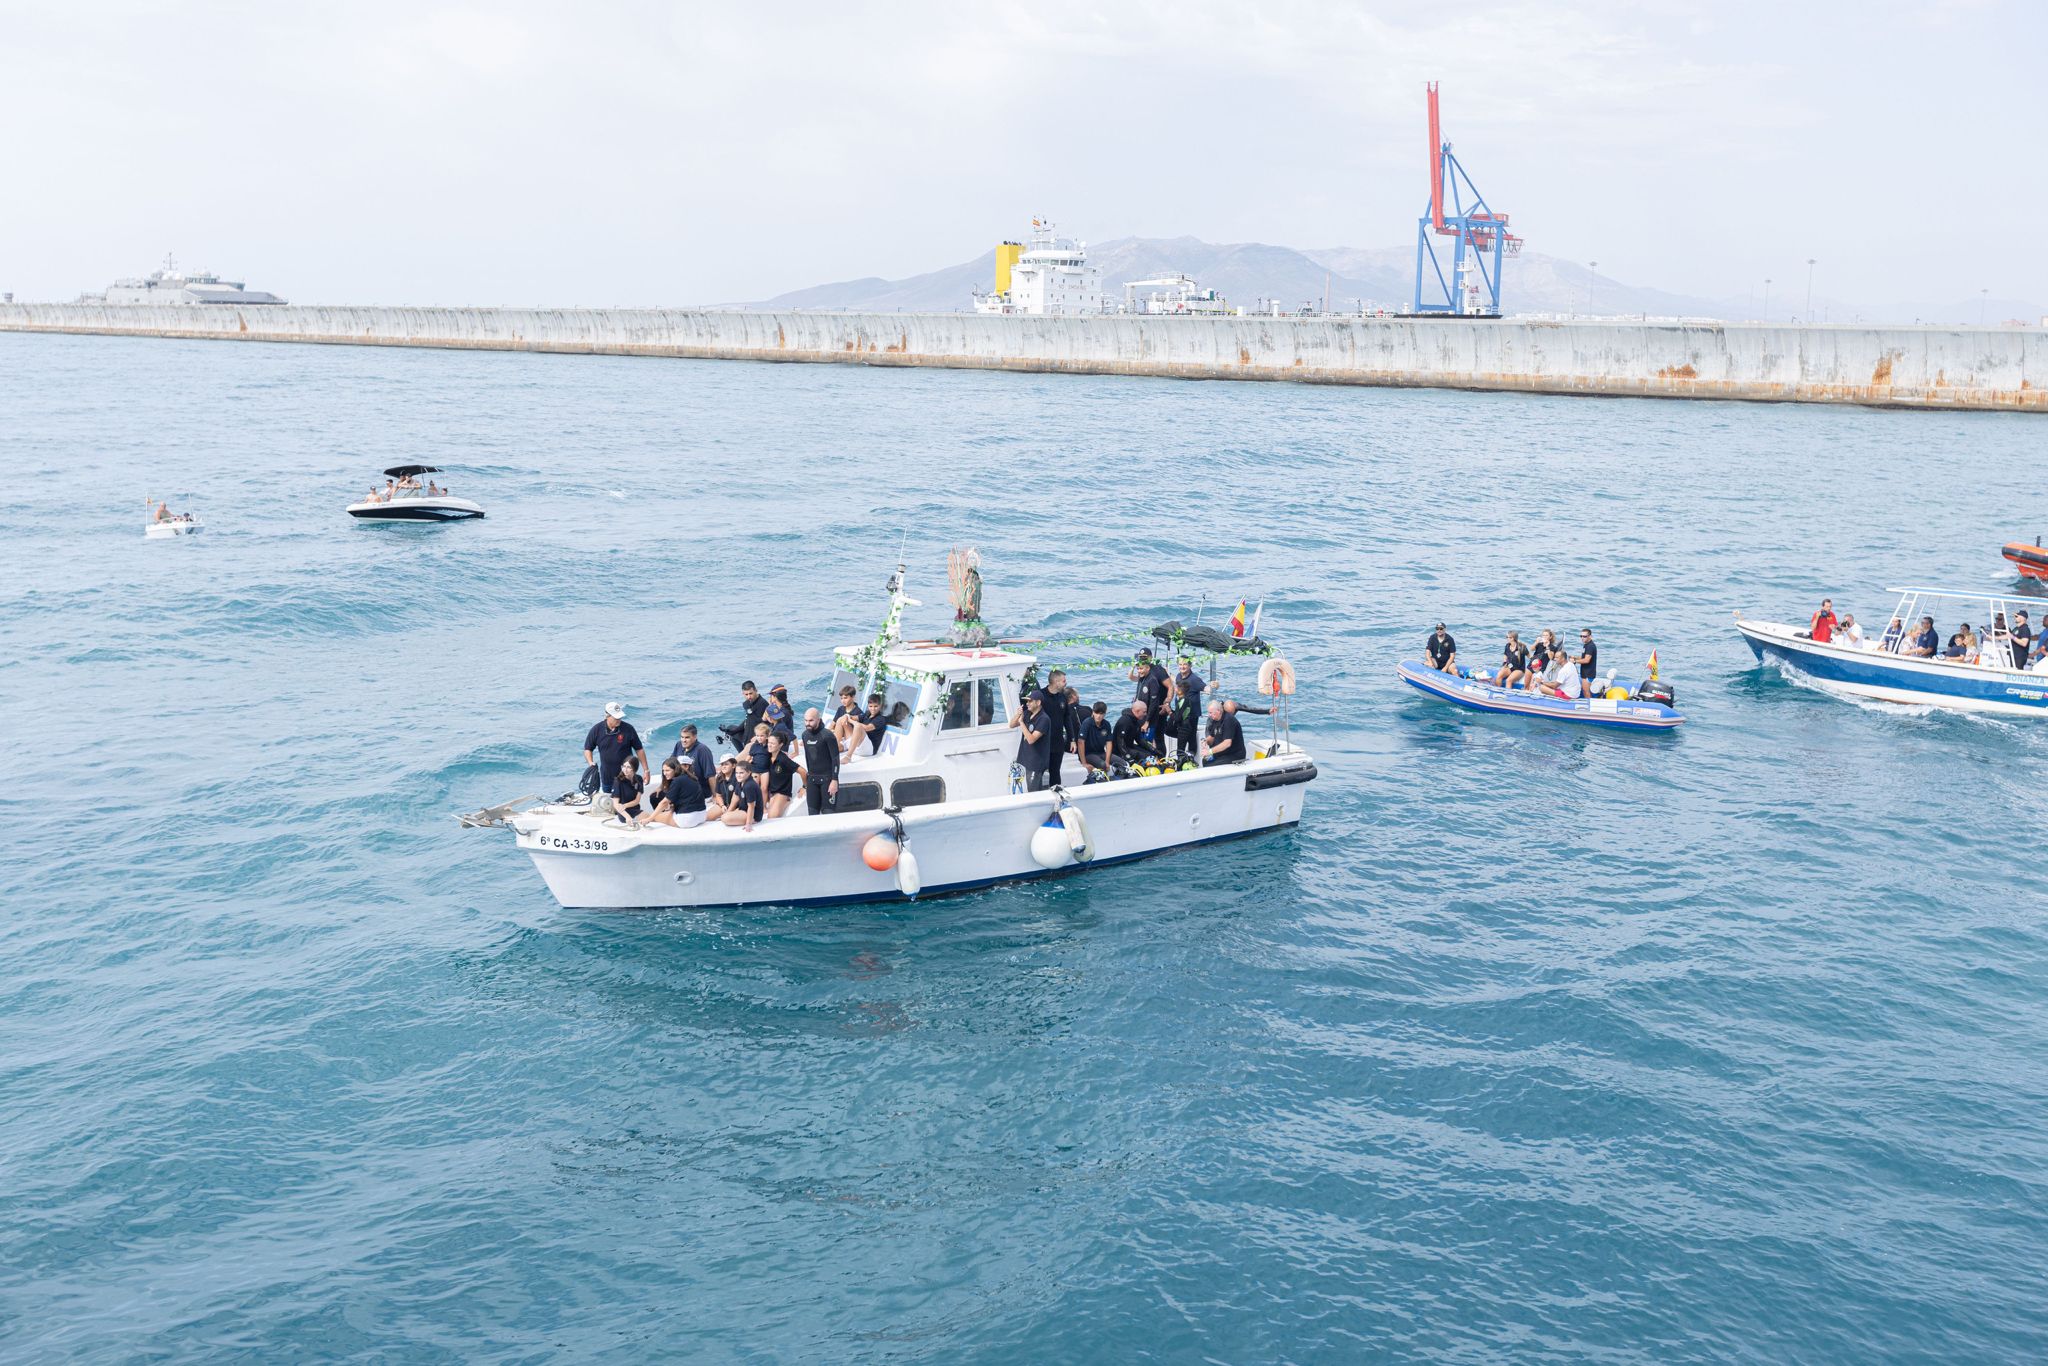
(2003, 369)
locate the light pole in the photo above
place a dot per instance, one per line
(1983, 295)
(1767, 298)
(1592, 274)
(1809, 289)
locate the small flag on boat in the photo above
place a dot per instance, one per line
(1237, 621)
(1653, 663)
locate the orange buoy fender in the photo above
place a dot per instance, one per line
(880, 853)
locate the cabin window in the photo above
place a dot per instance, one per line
(959, 707)
(988, 703)
(917, 791)
(859, 797)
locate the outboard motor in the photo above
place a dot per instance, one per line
(1658, 691)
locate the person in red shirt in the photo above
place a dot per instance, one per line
(1824, 622)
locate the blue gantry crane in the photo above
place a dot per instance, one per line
(1458, 211)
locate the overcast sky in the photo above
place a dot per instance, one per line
(666, 153)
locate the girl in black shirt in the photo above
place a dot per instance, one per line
(778, 780)
(736, 796)
(626, 793)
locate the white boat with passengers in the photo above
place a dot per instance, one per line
(163, 524)
(1885, 668)
(939, 808)
(405, 499)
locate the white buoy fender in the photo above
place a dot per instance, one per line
(1276, 677)
(1079, 841)
(908, 880)
(1049, 845)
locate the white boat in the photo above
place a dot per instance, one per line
(940, 795)
(406, 500)
(1880, 668)
(163, 524)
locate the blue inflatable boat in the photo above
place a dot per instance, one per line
(1481, 695)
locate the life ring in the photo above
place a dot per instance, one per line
(1276, 677)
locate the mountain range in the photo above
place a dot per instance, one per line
(1247, 273)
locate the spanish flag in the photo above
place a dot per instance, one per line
(1237, 622)
(1653, 663)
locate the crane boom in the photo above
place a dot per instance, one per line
(1436, 163)
(1457, 210)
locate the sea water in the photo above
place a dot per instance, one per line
(1529, 1043)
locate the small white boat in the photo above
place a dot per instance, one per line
(163, 524)
(405, 499)
(1886, 669)
(938, 809)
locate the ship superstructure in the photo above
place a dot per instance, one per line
(1050, 274)
(171, 285)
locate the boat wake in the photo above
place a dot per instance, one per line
(1906, 710)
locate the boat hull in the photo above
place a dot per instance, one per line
(2030, 560)
(1478, 695)
(164, 531)
(1909, 681)
(817, 860)
(427, 509)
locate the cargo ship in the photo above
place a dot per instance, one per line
(1050, 275)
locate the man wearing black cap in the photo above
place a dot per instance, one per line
(1442, 650)
(1034, 747)
(2022, 639)
(1152, 684)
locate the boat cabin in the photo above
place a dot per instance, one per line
(949, 736)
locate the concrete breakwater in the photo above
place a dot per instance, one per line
(1906, 367)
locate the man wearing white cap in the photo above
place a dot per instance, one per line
(608, 744)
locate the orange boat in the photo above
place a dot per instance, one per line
(2030, 560)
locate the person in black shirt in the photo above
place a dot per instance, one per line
(1442, 650)
(1135, 741)
(1152, 685)
(737, 796)
(681, 799)
(1185, 721)
(608, 744)
(1222, 738)
(756, 707)
(871, 727)
(778, 780)
(626, 793)
(1588, 660)
(1034, 749)
(845, 725)
(1093, 743)
(695, 757)
(780, 715)
(1514, 662)
(820, 764)
(755, 755)
(2022, 639)
(1052, 700)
